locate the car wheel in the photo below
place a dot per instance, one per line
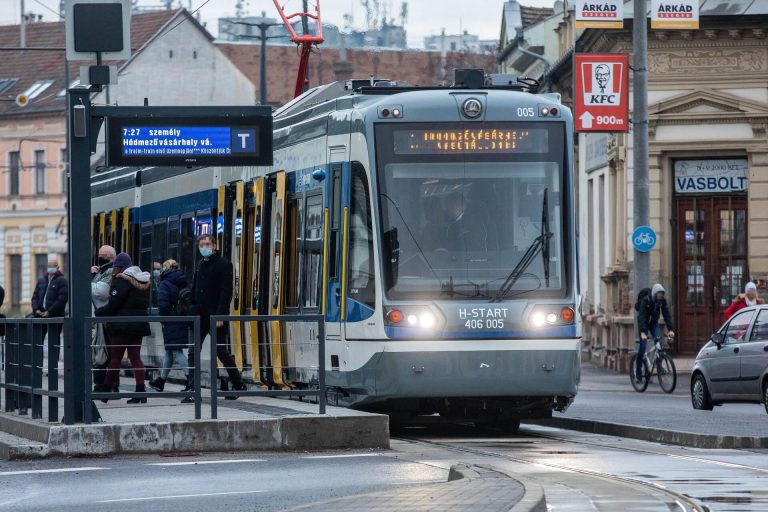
(765, 395)
(700, 394)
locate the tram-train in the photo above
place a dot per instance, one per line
(433, 227)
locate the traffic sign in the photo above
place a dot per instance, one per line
(601, 92)
(97, 26)
(181, 136)
(643, 238)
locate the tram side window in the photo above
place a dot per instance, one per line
(145, 251)
(333, 267)
(362, 285)
(291, 246)
(173, 240)
(313, 252)
(158, 243)
(187, 243)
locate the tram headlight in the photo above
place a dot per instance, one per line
(427, 320)
(415, 317)
(552, 315)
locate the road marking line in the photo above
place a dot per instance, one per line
(42, 471)
(195, 463)
(340, 456)
(150, 498)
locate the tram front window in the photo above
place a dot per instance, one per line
(455, 230)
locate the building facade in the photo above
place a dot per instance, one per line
(33, 188)
(708, 176)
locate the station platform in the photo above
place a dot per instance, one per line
(164, 425)
(607, 404)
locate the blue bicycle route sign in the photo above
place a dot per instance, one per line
(643, 238)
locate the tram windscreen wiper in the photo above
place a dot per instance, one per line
(541, 243)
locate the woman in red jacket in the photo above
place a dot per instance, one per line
(749, 298)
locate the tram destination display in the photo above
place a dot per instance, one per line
(470, 140)
(189, 141)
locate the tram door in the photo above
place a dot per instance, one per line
(334, 299)
(238, 258)
(254, 335)
(277, 274)
(711, 263)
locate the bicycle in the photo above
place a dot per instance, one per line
(656, 359)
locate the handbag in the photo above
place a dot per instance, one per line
(99, 354)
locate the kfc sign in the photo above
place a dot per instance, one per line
(599, 13)
(682, 14)
(601, 92)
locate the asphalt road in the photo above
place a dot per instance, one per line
(607, 396)
(232, 482)
(579, 472)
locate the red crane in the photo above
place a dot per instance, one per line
(305, 40)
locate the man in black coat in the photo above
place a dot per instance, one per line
(49, 300)
(212, 293)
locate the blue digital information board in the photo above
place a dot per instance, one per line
(171, 141)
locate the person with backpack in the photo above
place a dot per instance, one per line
(175, 334)
(749, 298)
(651, 305)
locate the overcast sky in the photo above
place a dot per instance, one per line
(425, 17)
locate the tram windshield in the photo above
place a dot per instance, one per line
(454, 226)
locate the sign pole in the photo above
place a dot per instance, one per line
(640, 201)
(79, 239)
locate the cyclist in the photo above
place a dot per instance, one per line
(651, 308)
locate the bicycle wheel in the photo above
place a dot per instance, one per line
(642, 384)
(667, 373)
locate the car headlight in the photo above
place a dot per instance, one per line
(411, 316)
(554, 315)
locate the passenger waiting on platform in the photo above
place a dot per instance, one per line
(101, 277)
(175, 334)
(128, 296)
(748, 298)
(212, 294)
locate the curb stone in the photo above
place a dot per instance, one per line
(656, 435)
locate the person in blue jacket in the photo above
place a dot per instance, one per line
(175, 334)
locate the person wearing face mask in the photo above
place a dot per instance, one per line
(49, 300)
(101, 277)
(51, 294)
(212, 293)
(748, 298)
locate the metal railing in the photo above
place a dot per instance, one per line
(21, 364)
(320, 392)
(195, 393)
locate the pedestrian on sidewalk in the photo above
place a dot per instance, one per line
(175, 334)
(49, 300)
(651, 308)
(212, 294)
(748, 298)
(128, 296)
(101, 277)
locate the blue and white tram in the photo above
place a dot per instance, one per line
(434, 228)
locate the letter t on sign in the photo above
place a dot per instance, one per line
(243, 141)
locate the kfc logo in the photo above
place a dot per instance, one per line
(604, 84)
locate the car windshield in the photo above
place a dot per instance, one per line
(455, 228)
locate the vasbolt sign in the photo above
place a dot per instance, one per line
(671, 14)
(599, 13)
(601, 92)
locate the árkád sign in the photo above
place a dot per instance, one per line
(601, 92)
(711, 176)
(671, 14)
(599, 14)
